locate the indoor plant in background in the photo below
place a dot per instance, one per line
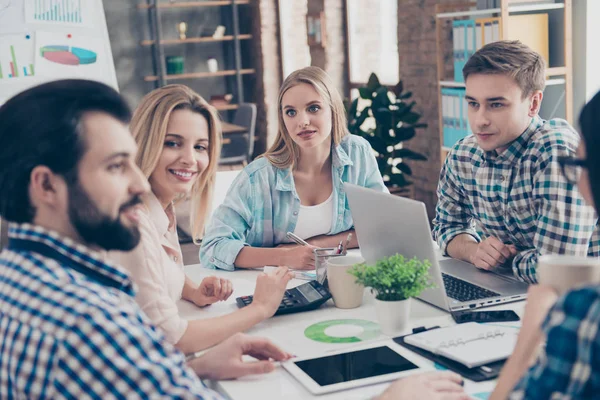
(386, 119)
(393, 280)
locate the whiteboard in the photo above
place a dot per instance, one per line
(45, 40)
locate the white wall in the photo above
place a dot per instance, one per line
(586, 57)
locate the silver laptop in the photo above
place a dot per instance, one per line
(386, 224)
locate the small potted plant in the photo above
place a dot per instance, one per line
(393, 280)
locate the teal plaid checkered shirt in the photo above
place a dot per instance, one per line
(518, 196)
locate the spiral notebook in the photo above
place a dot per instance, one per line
(471, 344)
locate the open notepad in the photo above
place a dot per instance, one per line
(471, 344)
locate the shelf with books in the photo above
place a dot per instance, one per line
(197, 75)
(192, 4)
(549, 82)
(521, 8)
(208, 39)
(471, 28)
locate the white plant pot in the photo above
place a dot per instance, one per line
(392, 316)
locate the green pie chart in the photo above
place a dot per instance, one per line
(342, 331)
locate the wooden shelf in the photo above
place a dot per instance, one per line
(549, 82)
(198, 75)
(196, 40)
(226, 107)
(511, 9)
(191, 4)
(556, 71)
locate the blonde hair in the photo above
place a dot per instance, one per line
(284, 152)
(149, 128)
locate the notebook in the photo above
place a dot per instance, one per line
(471, 344)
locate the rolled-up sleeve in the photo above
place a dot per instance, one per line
(226, 233)
(452, 213)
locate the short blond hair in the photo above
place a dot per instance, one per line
(511, 58)
(149, 128)
(284, 152)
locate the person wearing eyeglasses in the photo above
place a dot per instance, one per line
(502, 200)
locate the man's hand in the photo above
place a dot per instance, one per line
(298, 256)
(224, 361)
(269, 290)
(491, 253)
(211, 290)
(431, 386)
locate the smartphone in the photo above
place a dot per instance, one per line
(485, 316)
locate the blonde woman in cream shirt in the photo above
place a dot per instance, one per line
(179, 141)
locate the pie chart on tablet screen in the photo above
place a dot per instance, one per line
(68, 55)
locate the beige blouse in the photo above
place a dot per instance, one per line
(156, 266)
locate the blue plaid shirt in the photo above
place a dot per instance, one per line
(70, 327)
(519, 196)
(262, 204)
(569, 366)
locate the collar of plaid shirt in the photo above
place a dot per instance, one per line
(92, 264)
(515, 150)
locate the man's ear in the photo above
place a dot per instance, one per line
(45, 187)
(535, 102)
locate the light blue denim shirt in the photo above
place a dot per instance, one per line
(262, 204)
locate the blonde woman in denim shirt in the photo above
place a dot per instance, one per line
(296, 186)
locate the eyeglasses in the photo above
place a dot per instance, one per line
(571, 168)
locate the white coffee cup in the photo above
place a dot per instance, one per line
(564, 272)
(345, 291)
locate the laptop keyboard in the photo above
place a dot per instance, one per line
(464, 291)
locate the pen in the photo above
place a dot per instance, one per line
(345, 249)
(340, 247)
(296, 239)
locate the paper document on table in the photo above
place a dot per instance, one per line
(471, 344)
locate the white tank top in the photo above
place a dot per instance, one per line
(315, 220)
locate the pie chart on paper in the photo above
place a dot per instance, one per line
(68, 55)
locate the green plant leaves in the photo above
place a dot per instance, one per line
(404, 133)
(394, 278)
(395, 122)
(408, 154)
(404, 168)
(377, 144)
(365, 93)
(398, 89)
(399, 180)
(373, 83)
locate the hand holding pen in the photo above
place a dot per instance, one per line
(299, 257)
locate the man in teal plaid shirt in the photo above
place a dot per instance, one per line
(502, 200)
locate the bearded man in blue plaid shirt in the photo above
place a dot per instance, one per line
(69, 324)
(502, 200)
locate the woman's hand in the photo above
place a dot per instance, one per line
(269, 290)
(211, 290)
(298, 257)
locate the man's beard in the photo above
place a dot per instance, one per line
(99, 229)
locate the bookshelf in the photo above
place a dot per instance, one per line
(231, 71)
(559, 69)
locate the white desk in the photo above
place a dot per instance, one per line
(288, 332)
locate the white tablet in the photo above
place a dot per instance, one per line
(374, 363)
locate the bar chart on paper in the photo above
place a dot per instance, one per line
(17, 56)
(60, 11)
